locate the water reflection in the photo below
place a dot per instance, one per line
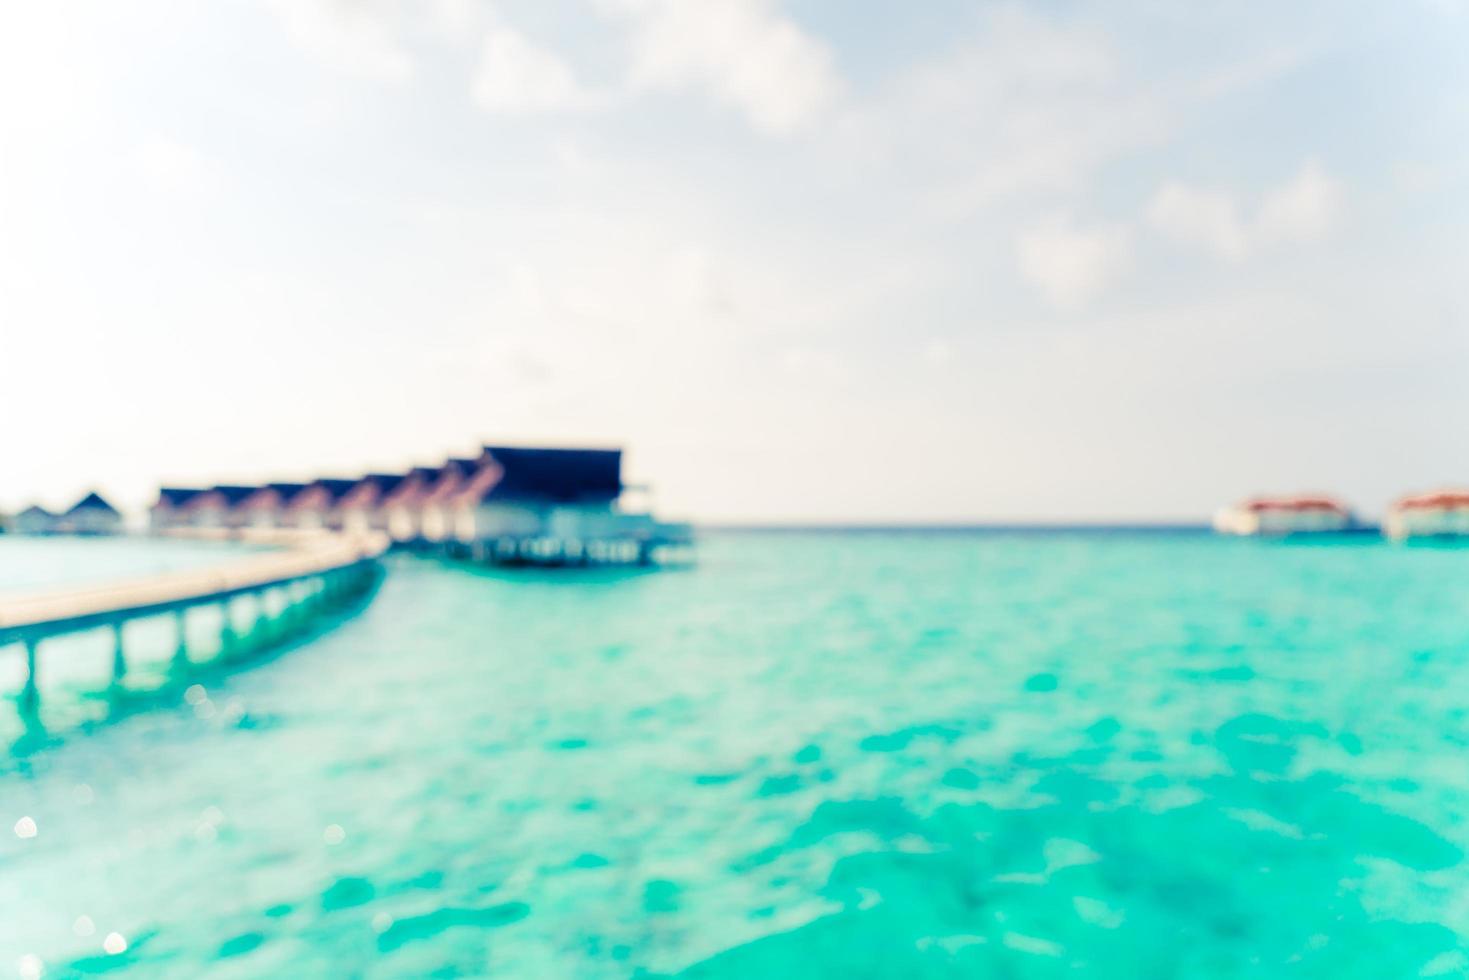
(1264, 873)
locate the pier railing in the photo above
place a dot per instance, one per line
(304, 568)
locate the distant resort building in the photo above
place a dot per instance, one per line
(90, 515)
(1275, 516)
(1437, 514)
(360, 509)
(166, 512)
(508, 504)
(33, 520)
(313, 507)
(435, 505)
(263, 506)
(220, 506)
(399, 511)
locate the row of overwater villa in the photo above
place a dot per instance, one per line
(508, 505)
(1437, 514)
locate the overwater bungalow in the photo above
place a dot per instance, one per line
(315, 506)
(553, 505)
(561, 493)
(362, 508)
(436, 506)
(235, 495)
(265, 506)
(1274, 516)
(90, 515)
(400, 510)
(217, 506)
(339, 490)
(472, 513)
(34, 520)
(167, 511)
(1440, 513)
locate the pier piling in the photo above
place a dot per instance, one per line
(119, 654)
(30, 696)
(228, 641)
(181, 650)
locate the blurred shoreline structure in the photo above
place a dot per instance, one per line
(510, 505)
(1282, 515)
(92, 515)
(1436, 515)
(1440, 513)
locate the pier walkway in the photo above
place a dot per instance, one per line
(304, 572)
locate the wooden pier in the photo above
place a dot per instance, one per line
(306, 571)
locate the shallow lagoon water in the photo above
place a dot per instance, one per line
(813, 755)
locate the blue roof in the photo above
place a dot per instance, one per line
(336, 488)
(233, 494)
(177, 496)
(557, 475)
(92, 501)
(386, 483)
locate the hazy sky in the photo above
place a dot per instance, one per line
(833, 259)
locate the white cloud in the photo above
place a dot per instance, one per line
(1302, 209)
(516, 76)
(356, 36)
(601, 278)
(744, 53)
(1265, 66)
(1034, 104)
(455, 18)
(1026, 105)
(938, 353)
(811, 364)
(1417, 177)
(175, 168)
(1072, 264)
(1200, 217)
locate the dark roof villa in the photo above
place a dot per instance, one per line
(555, 475)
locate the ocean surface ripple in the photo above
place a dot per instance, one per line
(813, 755)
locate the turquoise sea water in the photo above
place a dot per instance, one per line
(813, 755)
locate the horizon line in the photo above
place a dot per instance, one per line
(981, 527)
(944, 525)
